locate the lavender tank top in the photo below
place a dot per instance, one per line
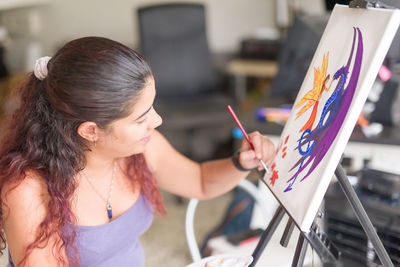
(117, 242)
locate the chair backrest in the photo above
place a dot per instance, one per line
(173, 40)
(296, 55)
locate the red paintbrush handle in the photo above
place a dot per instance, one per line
(235, 118)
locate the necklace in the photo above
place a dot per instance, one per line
(107, 200)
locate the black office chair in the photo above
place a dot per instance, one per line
(173, 40)
(296, 55)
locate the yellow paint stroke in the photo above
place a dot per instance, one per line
(312, 97)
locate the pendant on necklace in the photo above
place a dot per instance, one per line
(109, 211)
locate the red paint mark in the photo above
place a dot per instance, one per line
(278, 148)
(287, 139)
(281, 148)
(284, 147)
(274, 175)
(284, 152)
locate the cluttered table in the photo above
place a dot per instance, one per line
(381, 150)
(388, 136)
(241, 69)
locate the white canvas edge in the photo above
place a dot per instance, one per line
(352, 115)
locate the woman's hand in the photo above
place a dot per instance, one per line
(264, 150)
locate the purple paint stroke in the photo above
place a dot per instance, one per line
(325, 136)
(330, 109)
(335, 98)
(321, 130)
(324, 139)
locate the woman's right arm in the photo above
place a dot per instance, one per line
(24, 208)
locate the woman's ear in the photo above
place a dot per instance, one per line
(89, 131)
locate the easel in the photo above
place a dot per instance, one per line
(315, 237)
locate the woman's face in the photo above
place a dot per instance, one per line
(129, 135)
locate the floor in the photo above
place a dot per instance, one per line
(165, 242)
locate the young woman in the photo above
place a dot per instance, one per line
(81, 163)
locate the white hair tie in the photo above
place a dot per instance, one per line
(40, 69)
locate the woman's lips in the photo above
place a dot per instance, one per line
(146, 139)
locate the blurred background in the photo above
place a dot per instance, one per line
(205, 54)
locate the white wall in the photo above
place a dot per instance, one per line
(228, 22)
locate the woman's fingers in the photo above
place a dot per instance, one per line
(268, 151)
(263, 150)
(256, 139)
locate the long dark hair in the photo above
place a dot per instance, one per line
(89, 79)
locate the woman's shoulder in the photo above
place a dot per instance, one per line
(24, 207)
(157, 148)
(158, 143)
(25, 192)
(24, 204)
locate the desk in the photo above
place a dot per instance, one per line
(382, 151)
(240, 69)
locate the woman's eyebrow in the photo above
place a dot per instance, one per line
(144, 113)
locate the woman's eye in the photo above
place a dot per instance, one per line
(144, 117)
(142, 120)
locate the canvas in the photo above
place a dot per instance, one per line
(337, 83)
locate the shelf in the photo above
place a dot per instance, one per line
(253, 68)
(11, 4)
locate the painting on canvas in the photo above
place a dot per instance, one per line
(337, 83)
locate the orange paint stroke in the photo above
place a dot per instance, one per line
(312, 97)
